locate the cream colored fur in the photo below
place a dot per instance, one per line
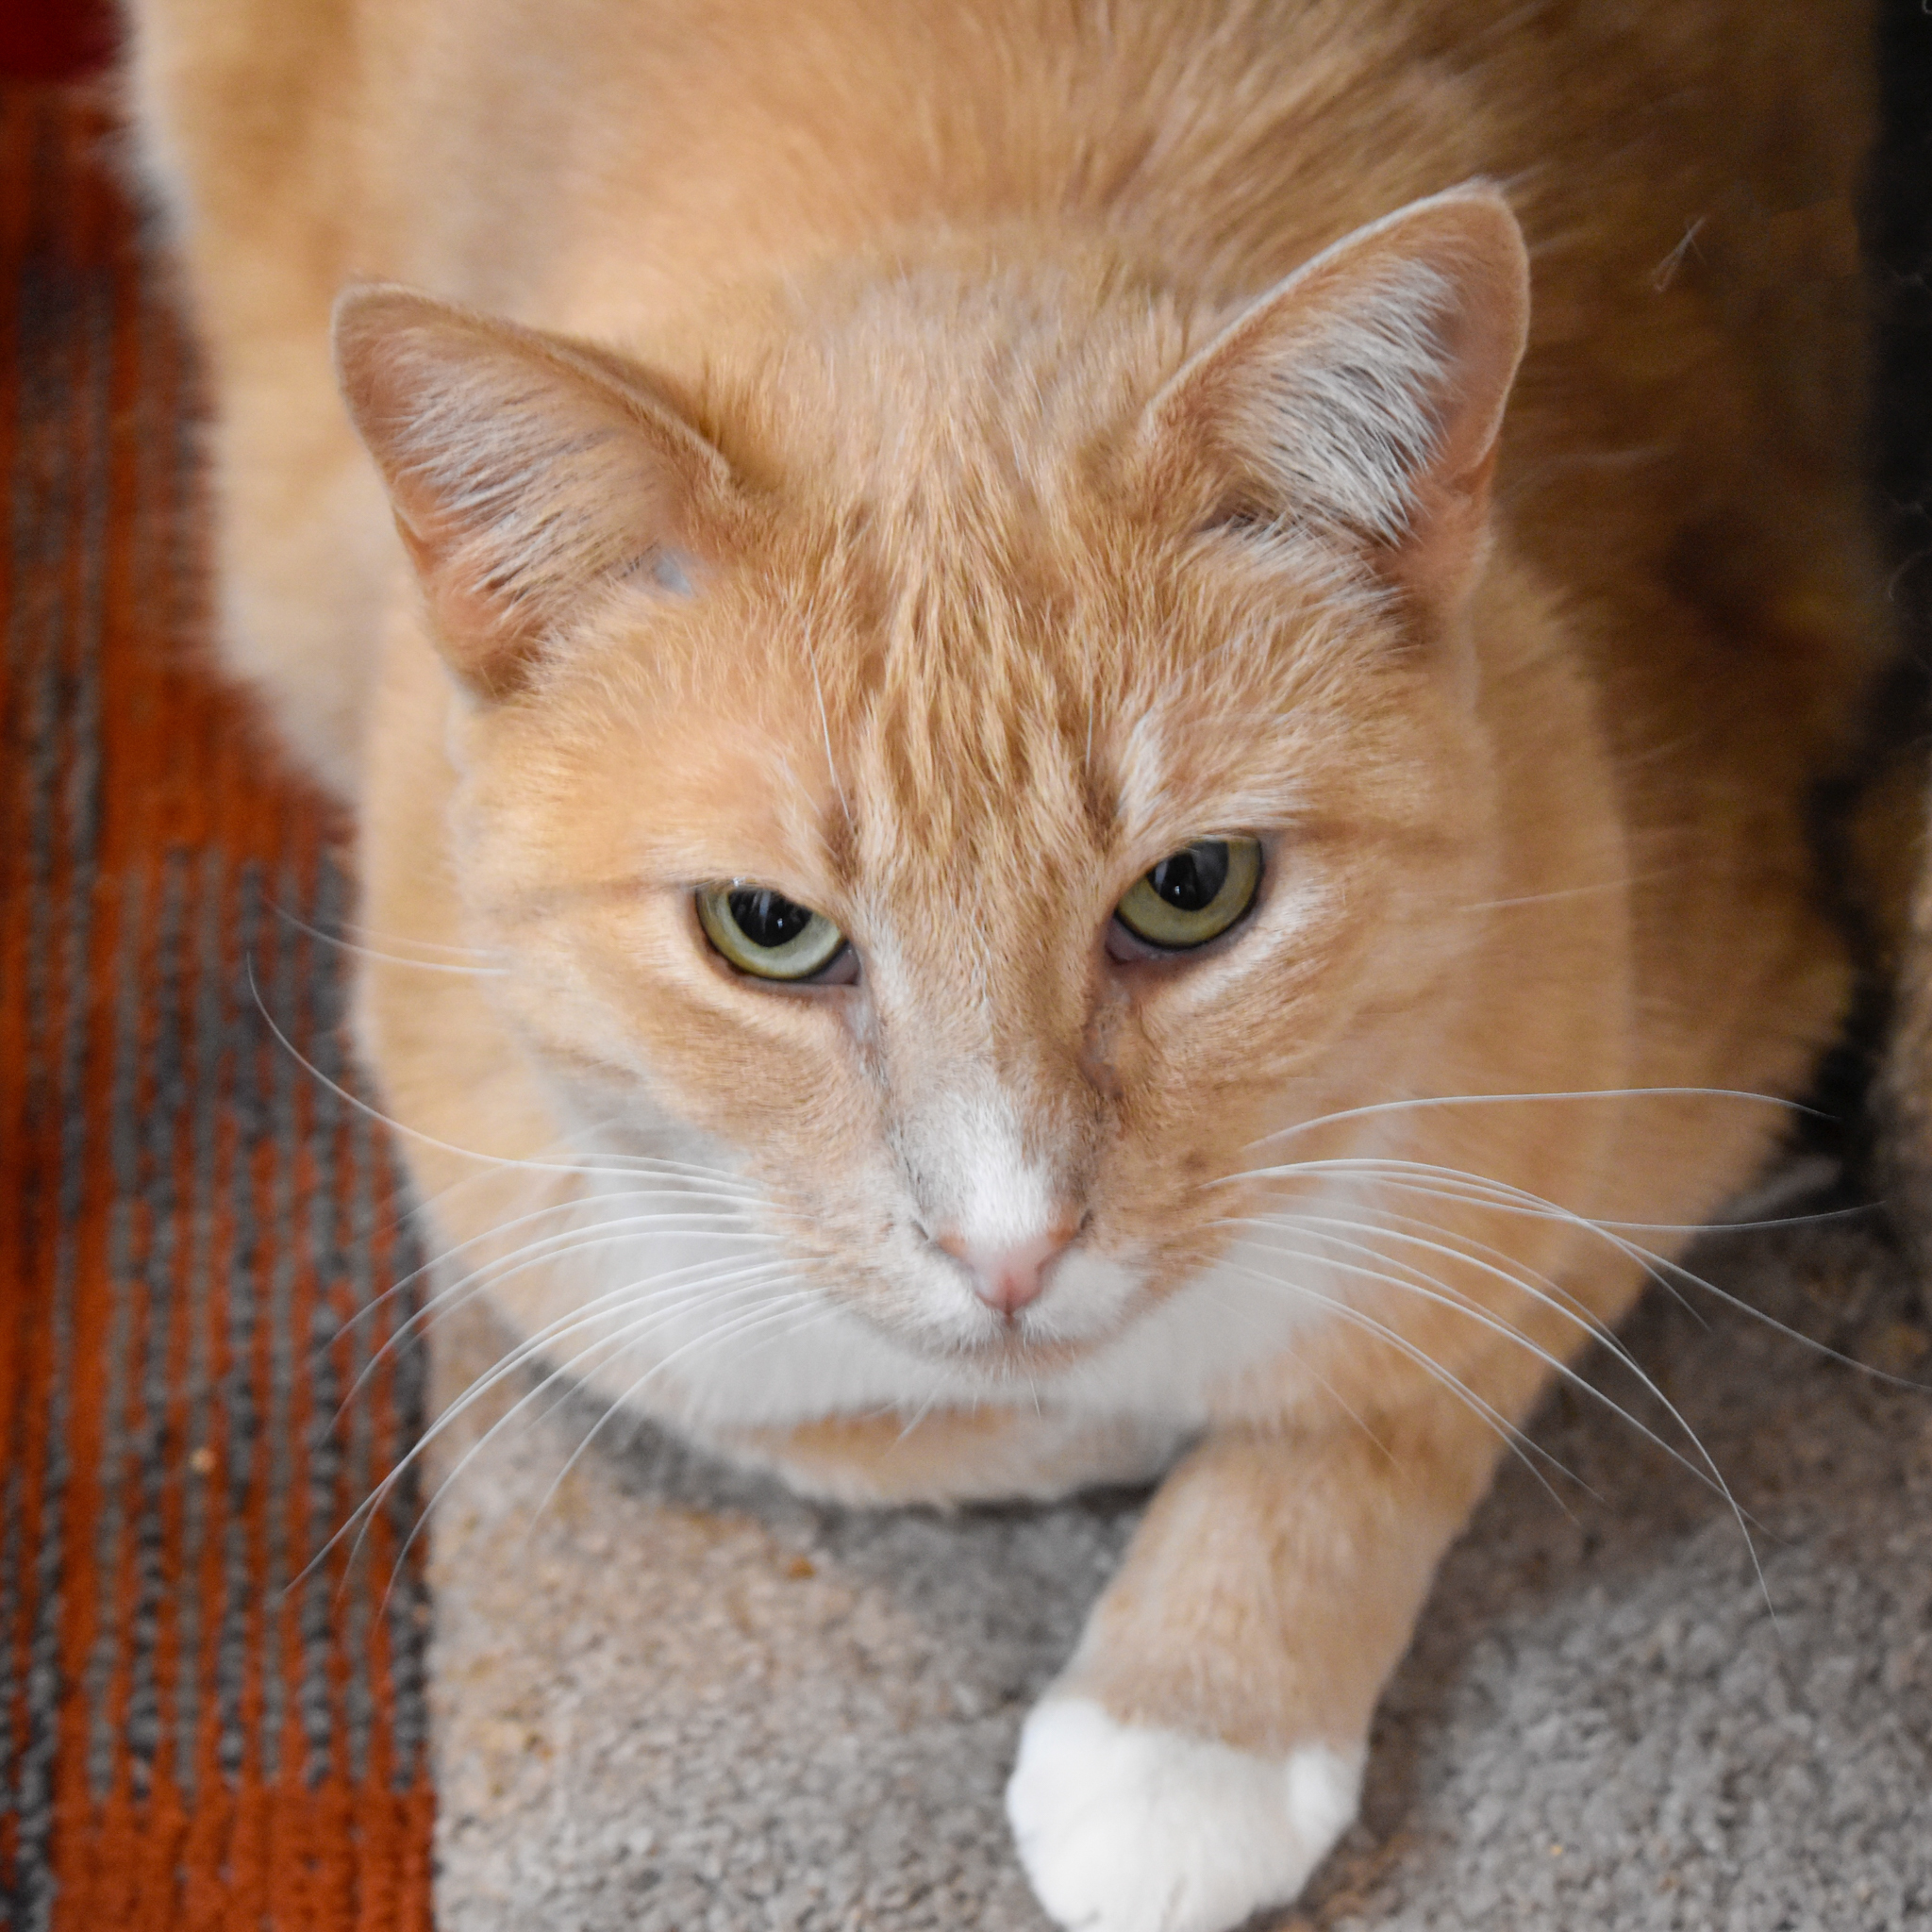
(937, 461)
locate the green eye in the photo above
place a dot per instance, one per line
(1193, 895)
(765, 934)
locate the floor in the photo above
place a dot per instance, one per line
(668, 1698)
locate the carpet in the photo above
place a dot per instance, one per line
(201, 1726)
(671, 1697)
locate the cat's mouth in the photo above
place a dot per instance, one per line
(1016, 1354)
(1088, 1305)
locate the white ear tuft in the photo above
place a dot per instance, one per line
(1364, 396)
(523, 470)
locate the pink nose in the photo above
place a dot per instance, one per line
(1008, 1278)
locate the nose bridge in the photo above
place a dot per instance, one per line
(994, 1112)
(997, 1154)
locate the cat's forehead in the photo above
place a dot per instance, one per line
(976, 721)
(971, 656)
(940, 400)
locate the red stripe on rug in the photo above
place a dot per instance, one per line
(195, 1232)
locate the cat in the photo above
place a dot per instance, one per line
(1105, 715)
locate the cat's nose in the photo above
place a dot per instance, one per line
(1010, 1275)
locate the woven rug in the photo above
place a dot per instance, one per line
(207, 1719)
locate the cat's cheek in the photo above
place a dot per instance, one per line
(1125, 1828)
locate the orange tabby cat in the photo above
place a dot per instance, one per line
(1080, 857)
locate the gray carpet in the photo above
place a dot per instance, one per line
(674, 1699)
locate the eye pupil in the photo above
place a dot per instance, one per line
(1192, 880)
(767, 918)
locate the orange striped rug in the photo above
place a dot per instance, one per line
(196, 1730)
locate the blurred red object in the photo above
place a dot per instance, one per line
(54, 40)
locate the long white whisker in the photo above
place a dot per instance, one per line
(1458, 1184)
(507, 1366)
(763, 1316)
(1434, 1100)
(574, 1205)
(1508, 1431)
(1555, 1298)
(364, 952)
(371, 934)
(1537, 1203)
(1713, 1480)
(1551, 1293)
(417, 1134)
(1678, 1269)
(1431, 1291)
(585, 1315)
(493, 1274)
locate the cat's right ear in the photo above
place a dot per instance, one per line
(1364, 397)
(525, 470)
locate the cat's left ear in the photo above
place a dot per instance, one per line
(526, 471)
(1363, 396)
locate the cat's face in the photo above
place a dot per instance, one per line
(957, 678)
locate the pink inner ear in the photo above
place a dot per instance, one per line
(1365, 394)
(523, 472)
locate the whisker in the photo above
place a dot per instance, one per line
(493, 1274)
(1547, 898)
(1458, 1184)
(1432, 1291)
(481, 1386)
(1551, 1294)
(1682, 1273)
(512, 1359)
(507, 1366)
(766, 1317)
(574, 1204)
(1433, 1100)
(1522, 1444)
(417, 1134)
(1713, 1480)
(367, 952)
(919, 1415)
(372, 934)
(1539, 1203)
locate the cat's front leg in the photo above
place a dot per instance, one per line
(1204, 1749)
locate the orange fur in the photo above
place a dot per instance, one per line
(924, 475)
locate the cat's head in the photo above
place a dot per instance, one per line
(985, 757)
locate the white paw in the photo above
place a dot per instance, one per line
(1123, 1828)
